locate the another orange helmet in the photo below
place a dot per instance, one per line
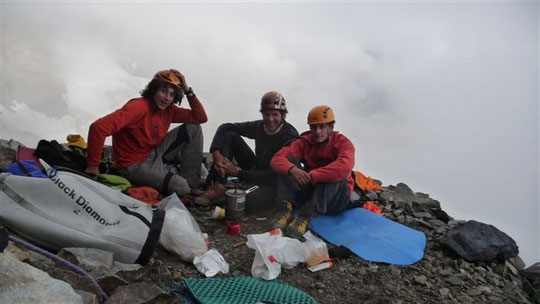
(273, 101)
(169, 77)
(320, 115)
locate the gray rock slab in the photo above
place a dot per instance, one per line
(423, 215)
(22, 283)
(420, 279)
(136, 293)
(444, 292)
(111, 283)
(455, 281)
(517, 262)
(87, 298)
(89, 258)
(437, 223)
(117, 266)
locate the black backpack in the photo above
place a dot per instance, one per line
(55, 155)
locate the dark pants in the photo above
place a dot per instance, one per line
(261, 202)
(323, 198)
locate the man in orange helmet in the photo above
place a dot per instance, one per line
(270, 134)
(314, 174)
(142, 144)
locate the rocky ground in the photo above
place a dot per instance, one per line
(440, 277)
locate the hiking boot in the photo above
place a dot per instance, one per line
(283, 216)
(196, 192)
(298, 227)
(212, 196)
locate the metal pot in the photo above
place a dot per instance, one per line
(236, 203)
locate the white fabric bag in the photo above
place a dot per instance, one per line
(69, 210)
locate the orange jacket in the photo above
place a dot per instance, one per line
(136, 129)
(327, 162)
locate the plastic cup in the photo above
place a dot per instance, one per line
(233, 228)
(218, 213)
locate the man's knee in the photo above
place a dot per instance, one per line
(194, 132)
(331, 198)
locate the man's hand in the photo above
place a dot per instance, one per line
(185, 87)
(94, 170)
(229, 168)
(223, 165)
(300, 177)
(218, 162)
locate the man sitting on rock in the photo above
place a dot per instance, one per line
(142, 144)
(270, 134)
(314, 174)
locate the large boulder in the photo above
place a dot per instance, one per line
(22, 283)
(475, 241)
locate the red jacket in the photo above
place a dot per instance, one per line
(327, 162)
(136, 129)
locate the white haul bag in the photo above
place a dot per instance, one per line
(69, 210)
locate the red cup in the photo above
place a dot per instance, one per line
(233, 228)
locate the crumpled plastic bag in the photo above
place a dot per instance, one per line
(211, 263)
(180, 233)
(273, 250)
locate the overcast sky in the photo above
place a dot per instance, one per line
(441, 96)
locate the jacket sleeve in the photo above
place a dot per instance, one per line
(280, 164)
(106, 126)
(195, 115)
(339, 169)
(246, 129)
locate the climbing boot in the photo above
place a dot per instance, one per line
(283, 216)
(298, 226)
(214, 195)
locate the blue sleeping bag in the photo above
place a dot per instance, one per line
(372, 237)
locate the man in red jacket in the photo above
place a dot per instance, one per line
(142, 144)
(315, 174)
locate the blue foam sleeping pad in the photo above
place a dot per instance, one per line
(371, 236)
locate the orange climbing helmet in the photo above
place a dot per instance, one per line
(320, 115)
(273, 101)
(169, 77)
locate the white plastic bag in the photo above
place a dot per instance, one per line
(272, 250)
(180, 233)
(315, 250)
(267, 261)
(211, 263)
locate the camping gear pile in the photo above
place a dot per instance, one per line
(57, 208)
